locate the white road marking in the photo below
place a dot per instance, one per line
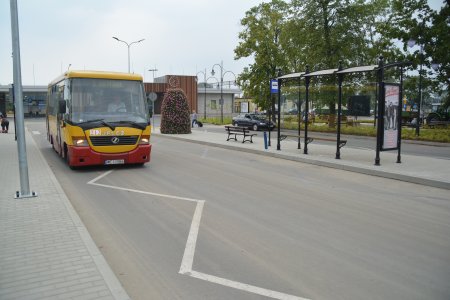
(100, 177)
(244, 287)
(189, 250)
(35, 132)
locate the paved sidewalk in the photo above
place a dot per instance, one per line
(416, 169)
(45, 250)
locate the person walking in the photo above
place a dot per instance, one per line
(4, 123)
(194, 118)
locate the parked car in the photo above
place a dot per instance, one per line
(253, 121)
(292, 111)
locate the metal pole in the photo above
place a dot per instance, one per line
(338, 140)
(269, 111)
(299, 144)
(399, 117)
(279, 110)
(307, 79)
(204, 105)
(128, 58)
(221, 92)
(153, 115)
(380, 110)
(420, 92)
(21, 147)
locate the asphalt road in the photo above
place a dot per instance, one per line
(243, 226)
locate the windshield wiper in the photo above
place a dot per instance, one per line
(101, 121)
(133, 124)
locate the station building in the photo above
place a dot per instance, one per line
(201, 97)
(34, 99)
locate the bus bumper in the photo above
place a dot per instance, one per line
(85, 156)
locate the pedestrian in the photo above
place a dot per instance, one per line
(4, 123)
(194, 118)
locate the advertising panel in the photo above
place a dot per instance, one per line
(391, 116)
(244, 107)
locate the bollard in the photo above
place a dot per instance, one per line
(265, 140)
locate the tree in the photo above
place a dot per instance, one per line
(415, 20)
(440, 32)
(318, 33)
(263, 25)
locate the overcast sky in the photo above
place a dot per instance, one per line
(182, 37)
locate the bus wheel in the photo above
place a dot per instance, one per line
(67, 158)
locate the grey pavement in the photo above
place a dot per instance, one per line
(47, 253)
(45, 250)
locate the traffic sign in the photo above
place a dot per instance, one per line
(152, 96)
(273, 86)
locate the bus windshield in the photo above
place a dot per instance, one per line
(107, 99)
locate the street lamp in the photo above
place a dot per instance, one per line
(412, 43)
(222, 73)
(128, 45)
(204, 83)
(153, 70)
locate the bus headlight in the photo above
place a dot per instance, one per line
(80, 141)
(145, 140)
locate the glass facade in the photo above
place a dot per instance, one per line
(34, 100)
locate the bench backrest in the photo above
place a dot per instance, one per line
(236, 129)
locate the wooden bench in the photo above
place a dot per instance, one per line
(237, 130)
(439, 124)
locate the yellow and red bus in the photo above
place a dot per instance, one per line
(99, 118)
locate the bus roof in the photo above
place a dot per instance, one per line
(97, 74)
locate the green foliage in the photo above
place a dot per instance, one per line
(175, 115)
(290, 35)
(262, 27)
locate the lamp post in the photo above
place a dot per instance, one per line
(128, 45)
(222, 73)
(412, 43)
(204, 94)
(153, 70)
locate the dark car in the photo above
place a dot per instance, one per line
(292, 111)
(253, 121)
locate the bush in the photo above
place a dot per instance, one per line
(175, 113)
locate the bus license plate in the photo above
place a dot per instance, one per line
(114, 162)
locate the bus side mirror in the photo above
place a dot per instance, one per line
(62, 106)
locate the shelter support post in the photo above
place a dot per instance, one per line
(380, 114)
(299, 115)
(399, 118)
(338, 140)
(307, 80)
(279, 110)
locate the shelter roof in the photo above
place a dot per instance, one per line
(292, 75)
(358, 69)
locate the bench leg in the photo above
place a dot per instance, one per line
(229, 138)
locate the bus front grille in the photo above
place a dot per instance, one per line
(113, 140)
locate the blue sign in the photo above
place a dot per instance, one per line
(274, 86)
